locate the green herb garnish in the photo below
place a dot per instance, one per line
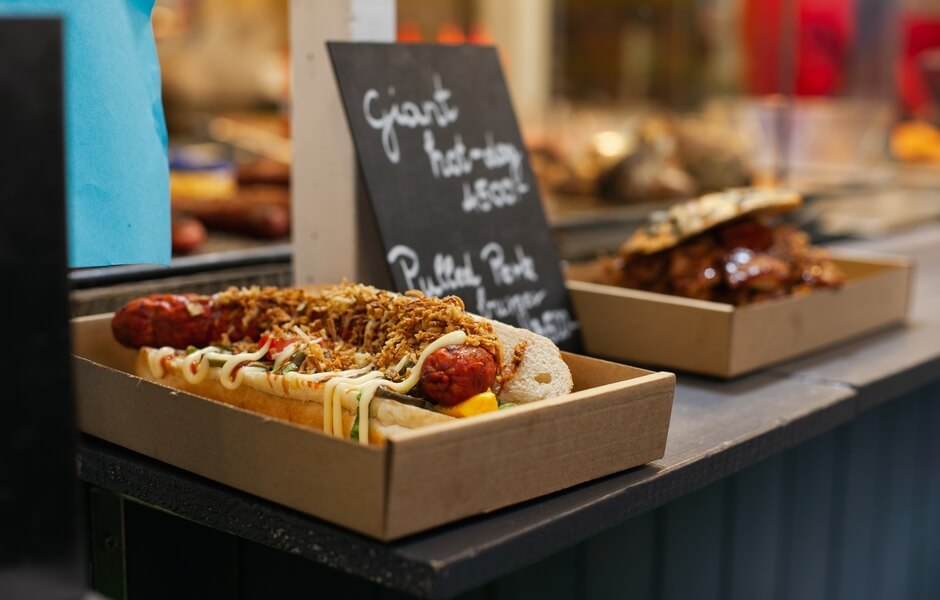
(354, 432)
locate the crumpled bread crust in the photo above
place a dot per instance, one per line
(542, 372)
(688, 219)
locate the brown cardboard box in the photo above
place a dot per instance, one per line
(616, 418)
(720, 339)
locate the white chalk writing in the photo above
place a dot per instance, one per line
(506, 272)
(407, 114)
(483, 194)
(448, 274)
(555, 324)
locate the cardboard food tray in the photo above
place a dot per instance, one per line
(617, 418)
(719, 339)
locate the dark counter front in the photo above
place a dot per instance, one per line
(817, 478)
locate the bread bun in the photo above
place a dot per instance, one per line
(540, 373)
(275, 396)
(687, 219)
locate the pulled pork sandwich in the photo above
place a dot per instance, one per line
(722, 247)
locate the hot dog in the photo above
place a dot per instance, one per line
(349, 359)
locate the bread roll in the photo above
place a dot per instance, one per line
(539, 372)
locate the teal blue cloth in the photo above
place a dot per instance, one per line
(117, 174)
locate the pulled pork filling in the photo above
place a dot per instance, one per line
(740, 262)
(346, 326)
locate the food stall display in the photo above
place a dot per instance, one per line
(413, 437)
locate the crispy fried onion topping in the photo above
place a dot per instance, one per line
(352, 325)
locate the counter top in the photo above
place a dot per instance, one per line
(717, 429)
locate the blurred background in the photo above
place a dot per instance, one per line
(626, 106)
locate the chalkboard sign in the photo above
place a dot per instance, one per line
(455, 201)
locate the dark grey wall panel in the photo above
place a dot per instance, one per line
(893, 544)
(557, 577)
(264, 572)
(477, 594)
(926, 540)
(690, 560)
(619, 562)
(805, 542)
(752, 514)
(173, 558)
(857, 450)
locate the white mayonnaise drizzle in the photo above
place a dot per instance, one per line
(155, 360)
(234, 360)
(334, 391)
(283, 355)
(197, 374)
(356, 386)
(365, 387)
